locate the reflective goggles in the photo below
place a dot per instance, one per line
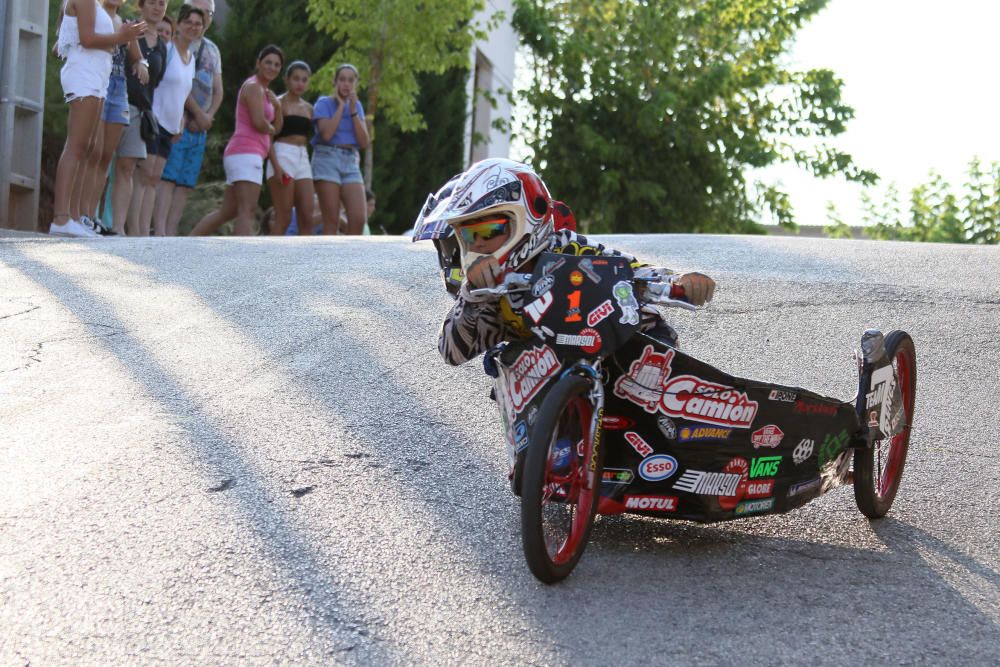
(484, 229)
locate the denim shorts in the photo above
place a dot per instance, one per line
(186, 156)
(336, 164)
(116, 103)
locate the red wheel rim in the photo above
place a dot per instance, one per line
(568, 496)
(887, 470)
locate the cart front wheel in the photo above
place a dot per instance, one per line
(561, 481)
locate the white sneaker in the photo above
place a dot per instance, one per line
(73, 229)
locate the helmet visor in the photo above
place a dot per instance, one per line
(484, 230)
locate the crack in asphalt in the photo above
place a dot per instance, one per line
(23, 312)
(35, 353)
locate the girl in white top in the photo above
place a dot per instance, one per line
(168, 107)
(86, 37)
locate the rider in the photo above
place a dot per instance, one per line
(495, 219)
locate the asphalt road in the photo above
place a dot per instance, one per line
(248, 451)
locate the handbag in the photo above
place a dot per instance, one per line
(147, 125)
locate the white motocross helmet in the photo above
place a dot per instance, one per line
(492, 187)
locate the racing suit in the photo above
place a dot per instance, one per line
(474, 326)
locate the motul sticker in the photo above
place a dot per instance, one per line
(654, 503)
(768, 436)
(529, 373)
(600, 313)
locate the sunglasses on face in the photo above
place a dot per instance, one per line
(484, 230)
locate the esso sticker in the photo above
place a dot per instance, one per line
(657, 468)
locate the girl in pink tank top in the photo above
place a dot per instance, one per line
(258, 118)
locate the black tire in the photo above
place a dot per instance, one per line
(879, 469)
(561, 481)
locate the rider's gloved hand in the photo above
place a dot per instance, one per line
(698, 288)
(465, 292)
(484, 272)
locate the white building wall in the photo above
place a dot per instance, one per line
(492, 63)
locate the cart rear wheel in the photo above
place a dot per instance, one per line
(878, 470)
(561, 481)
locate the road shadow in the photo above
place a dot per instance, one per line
(698, 594)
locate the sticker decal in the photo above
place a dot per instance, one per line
(539, 307)
(600, 313)
(588, 340)
(587, 266)
(573, 313)
(803, 451)
(761, 488)
(641, 447)
(543, 285)
(782, 395)
(529, 373)
(764, 466)
(804, 487)
(657, 468)
(667, 427)
(699, 433)
(754, 506)
(832, 446)
(616, 423)
(644, 382)
(768, 436)
(655, 503)
(692, 398)
(617, 476)
(521, 435)
(627, 302)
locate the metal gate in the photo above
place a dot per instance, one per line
(22, 103)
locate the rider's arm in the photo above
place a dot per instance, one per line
(470, 329)
(697, 287)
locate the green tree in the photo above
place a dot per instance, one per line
(409, 165)
(647, 115)
(981, 204)
(882, 218)
(948, 224)
(937, 213)
(391, 42)
(837, 229)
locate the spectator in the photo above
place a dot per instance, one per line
(258, 118)
(289, 174)
(369, 209)
(168, 107)
(86, 36)
(133, 147)
(340, 135)
(115, 119)
(183, 167)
